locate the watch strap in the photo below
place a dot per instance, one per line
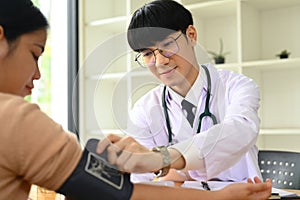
(166, 161)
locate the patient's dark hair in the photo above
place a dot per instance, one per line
(155, 21)
(18, 17)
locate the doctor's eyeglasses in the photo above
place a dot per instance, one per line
(167, 48)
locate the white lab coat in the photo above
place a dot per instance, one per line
(225, 151)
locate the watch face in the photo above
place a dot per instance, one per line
(166, 160)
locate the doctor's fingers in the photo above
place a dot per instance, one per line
(123, 157)
(139, 162)
(113, 152)
(120, 150)
(108, 140)
(130, 144)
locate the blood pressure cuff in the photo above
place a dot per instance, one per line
(94, 178)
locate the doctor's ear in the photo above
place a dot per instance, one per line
(191, 34)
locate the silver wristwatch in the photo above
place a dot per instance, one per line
(166, 160)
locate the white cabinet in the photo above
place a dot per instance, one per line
(268, 27)
(253, 31)
(110, 80)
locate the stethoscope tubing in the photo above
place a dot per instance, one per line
(202, 115)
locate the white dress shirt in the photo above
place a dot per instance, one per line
(225, 151)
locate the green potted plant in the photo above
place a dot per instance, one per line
(283, 54)
(219, 58)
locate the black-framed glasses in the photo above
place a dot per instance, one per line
(167, 48)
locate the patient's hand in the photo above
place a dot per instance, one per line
(253, 190)
(175, 175)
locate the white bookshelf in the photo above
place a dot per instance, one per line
(254, 31)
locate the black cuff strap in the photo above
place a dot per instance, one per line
(94, 178)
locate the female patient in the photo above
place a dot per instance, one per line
(36, 150)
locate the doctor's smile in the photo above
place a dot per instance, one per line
(168, 72)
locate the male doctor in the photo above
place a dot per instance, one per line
(202, 121)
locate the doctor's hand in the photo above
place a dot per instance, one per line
(130, 156)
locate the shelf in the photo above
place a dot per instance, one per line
(214, 20)
(108, 21)
(94, 10)
(116, 76)
(273, 64)
(271, 4)
(264, 28)
(107, 76)
(107, 33)
(279, 132)
(213, 8)
(230, 66)
(136, 4)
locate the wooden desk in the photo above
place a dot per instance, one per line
(297, 192)
(37, 193)
(178, 184)
(294, 191)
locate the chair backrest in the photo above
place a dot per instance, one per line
(282, 167)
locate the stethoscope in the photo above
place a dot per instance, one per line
(206, 112)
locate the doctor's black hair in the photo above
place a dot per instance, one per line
(18, 17)
(155, 21)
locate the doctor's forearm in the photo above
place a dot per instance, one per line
(177, 160)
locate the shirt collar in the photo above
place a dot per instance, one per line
(193, 95)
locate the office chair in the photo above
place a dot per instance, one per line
(282, 167)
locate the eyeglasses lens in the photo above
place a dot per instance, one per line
(167, 48)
